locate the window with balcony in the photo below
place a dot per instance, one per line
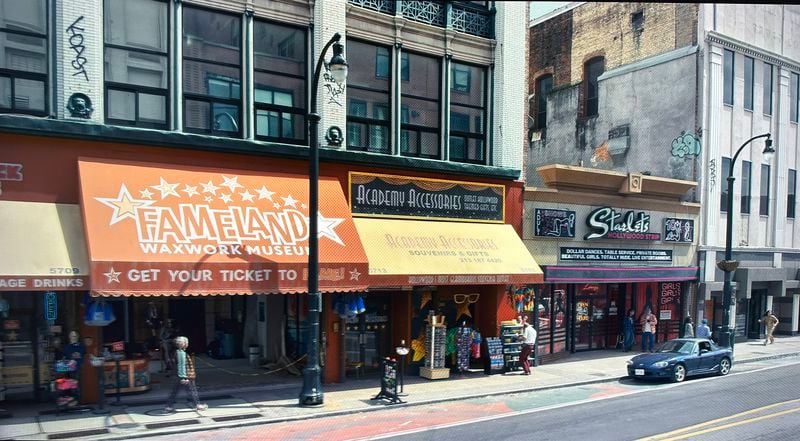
(23, 57)
(280, 82)
(368, 97)
(421, 108)
(212, 95)
(136, 72)
(467, 113)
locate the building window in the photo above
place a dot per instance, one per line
(727, 80)
(23, 57)
(726, 170)
(212, 96)
(280, 82)
(592, 71)
(404, 67)
(791, 192)
(746, 176)
(135, 35)
(382, 62)
(420, 121)
(543, 87)
(768, 76)
(749, 68)
(763, 208)
(368, 97)
(794, 86)
(468, 114)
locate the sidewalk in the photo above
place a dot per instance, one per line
(277, 403)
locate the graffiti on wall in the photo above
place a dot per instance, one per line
(683, 151)
(76, 43)
(335, 90)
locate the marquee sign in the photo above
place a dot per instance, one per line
(608, 223)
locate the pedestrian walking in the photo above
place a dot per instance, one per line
(649, 322)
(770, 322)
(528, 338)
(185, 377)
(703, 331)
(628, 331)
(688, 328)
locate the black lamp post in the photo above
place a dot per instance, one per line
(729, 265)
(311, 394)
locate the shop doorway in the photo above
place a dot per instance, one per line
(189, 318)
(368, 334)
(757, 306)
(596, 319)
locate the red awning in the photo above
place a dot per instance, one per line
(163, 229)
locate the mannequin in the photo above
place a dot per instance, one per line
(75, 350)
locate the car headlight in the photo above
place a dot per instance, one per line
(660, 364)
(629, 362)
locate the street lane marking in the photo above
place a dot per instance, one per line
(559, 406)
(666, 435)
(725, 426)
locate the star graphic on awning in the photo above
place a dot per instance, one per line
(354, 275)
(230, 183)
(247, 196)
(124, 205)
(190, 190)
(277, 206)
(209, 199)
(113, 276)
(209, 188)
(289, 201)
(263, 193)
(226, 198)
(166, 189)
(325, 228)
(146, 194)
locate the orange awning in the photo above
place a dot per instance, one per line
(159, 229)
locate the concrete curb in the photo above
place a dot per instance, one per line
(269, 420)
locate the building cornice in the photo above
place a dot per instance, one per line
(753, 51)
(26, 125)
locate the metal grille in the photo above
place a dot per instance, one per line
(424, 12)
(385, 6)
(471, 21)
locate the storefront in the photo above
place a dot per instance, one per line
(608, 243)
(434, 247)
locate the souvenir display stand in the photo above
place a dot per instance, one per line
(436, 341)
(65, 384)
(512, 348)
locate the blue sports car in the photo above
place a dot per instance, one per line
(680, 358)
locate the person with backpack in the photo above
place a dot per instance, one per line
(185, 377)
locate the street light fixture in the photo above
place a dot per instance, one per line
(729, 265)
(311, 395)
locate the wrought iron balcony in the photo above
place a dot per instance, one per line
(462, 16)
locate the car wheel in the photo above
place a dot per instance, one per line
(724, 366)
(678, 373)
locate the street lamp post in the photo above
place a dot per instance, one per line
(728, 266)
(311, 395)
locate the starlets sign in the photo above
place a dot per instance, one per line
(191, 230)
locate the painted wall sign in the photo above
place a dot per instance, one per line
(400, 196)
(614, 255)
(554, 223)
(50, 305)
(10, 171)
(678, 230)
(608, 223)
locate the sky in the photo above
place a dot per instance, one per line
(539, 9)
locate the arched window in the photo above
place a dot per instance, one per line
(591, 71)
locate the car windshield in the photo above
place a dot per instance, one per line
(679, 346)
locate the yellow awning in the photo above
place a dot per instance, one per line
(410, 252)
(43, 247)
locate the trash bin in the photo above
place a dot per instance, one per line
(227, 345)
(255, 355)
